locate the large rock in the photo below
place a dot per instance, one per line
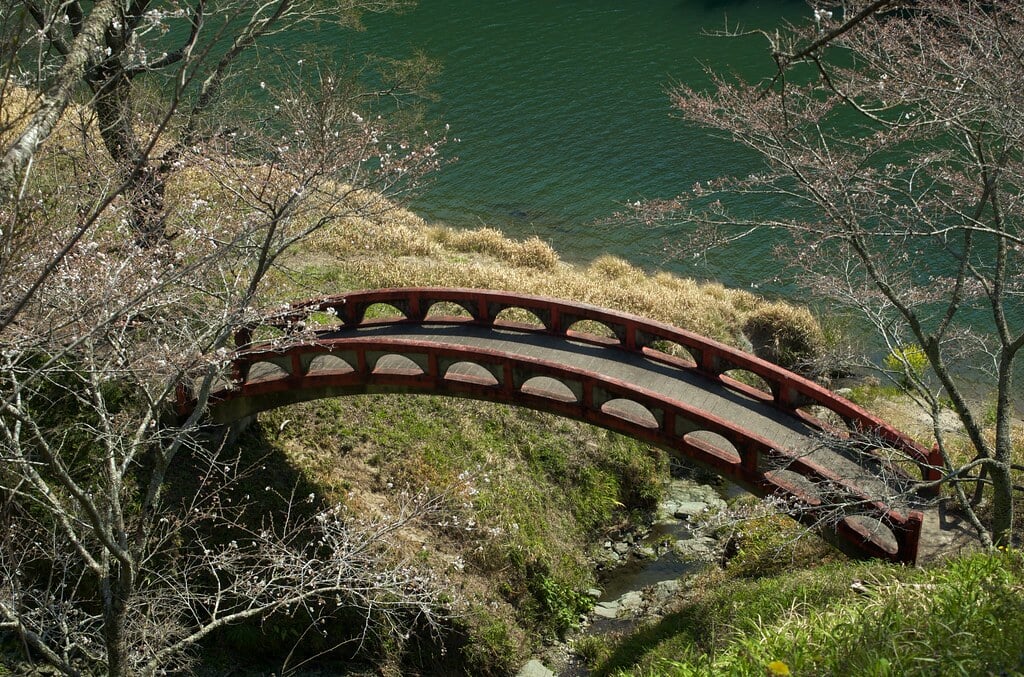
(535, 669)
(631, 601)
(663, 590)
(701, 548)
(686, 498)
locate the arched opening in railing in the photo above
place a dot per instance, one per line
(714, 444)
(631, 411)
(447, 310)
(594, 328)
(515, 315)
(393, 363)
(329, 364)
(552, 389)
(381, 311)
(751, 384)
(470, 372)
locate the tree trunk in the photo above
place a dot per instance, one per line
(1002, 481)
(81, 55)
(1002, 504)
(116, 590)
(144, 183)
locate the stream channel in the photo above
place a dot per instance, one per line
(643, 570)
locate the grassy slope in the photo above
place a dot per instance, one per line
(965, 618)
(396, 248)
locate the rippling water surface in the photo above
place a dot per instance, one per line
(562, 112)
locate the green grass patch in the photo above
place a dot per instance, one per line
(963, 618)
(527, 493)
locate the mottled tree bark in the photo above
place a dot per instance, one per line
(85, 51)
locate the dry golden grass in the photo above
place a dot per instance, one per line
(530, 253)
(75, 134)
(402, 250)
(784, 333)
(16, 107)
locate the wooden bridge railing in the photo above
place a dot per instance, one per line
(788, 391)
(271, 375)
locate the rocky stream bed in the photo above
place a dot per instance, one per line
(642, 569)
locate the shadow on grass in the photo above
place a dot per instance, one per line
(682, 626)
(251, 473)
(255, 485)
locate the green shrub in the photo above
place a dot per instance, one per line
(492, 648)
(561, 604)
(592, 650)
(910, 360)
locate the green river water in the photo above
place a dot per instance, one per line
(562, 115)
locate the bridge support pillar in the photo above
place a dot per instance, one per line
(933, 472)
(908, 538)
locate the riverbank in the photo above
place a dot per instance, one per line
(834, 618)
(511, 516)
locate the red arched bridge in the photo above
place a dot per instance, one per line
(828, 462)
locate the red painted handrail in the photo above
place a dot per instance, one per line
(789, 391)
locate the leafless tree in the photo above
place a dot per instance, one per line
(133, 239)
(892, 135)
(115, 48)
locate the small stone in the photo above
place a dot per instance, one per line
(594, 592)
(607, 610)
(621, 548)
(631, 601)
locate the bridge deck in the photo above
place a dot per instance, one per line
(689, 386)
(677, 383)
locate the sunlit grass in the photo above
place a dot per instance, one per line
(527, 493)
(964, 618)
